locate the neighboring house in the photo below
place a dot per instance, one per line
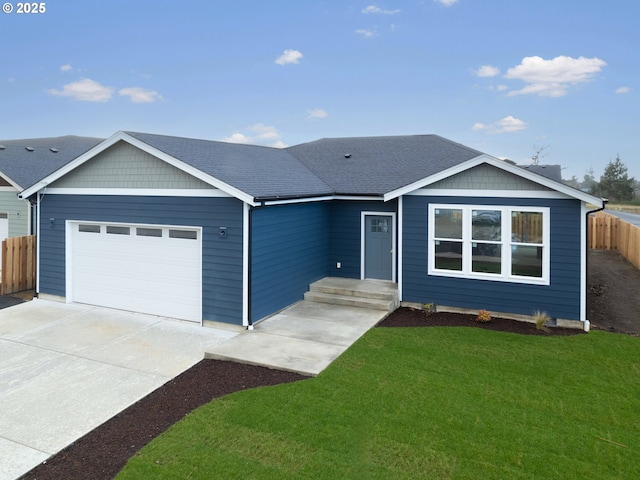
(204, 230)
(25, 162)
(553, 172)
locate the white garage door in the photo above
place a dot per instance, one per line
(141, 268)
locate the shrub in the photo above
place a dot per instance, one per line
(540, 318)
(428, 308)
(483, 316)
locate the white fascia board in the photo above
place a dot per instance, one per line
(501, 164)
(122, 136)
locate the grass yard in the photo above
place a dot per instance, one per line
(441, 403)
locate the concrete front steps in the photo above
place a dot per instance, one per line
(372, 294)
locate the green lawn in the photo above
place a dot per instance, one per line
(458, 403)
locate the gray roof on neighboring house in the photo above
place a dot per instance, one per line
(378, 165)
(26, 161)
(552, 172)
(263, 172)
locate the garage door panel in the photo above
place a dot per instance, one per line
(149, 273)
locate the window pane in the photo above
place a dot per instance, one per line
(89, 228)
(448, 223)
(379, 225)
(117, 230)
(526, 227)
(526, 261)
(149, 232)
(486, 258)
(448, 255)
(187, 234)
(486, 225)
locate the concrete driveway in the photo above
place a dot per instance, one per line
(67, 368)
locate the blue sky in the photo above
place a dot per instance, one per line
(507, 77)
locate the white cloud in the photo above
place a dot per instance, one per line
(551, 78)
(85, 90)
(264, 132)
(140, 95)
(508, 124)
(289, 56)
(258, 134)
(446, 3)
(487, 71)
(238, 138)
(623, 90)
(366, 33)
(374, 9)
(317, 113)
(66, 68)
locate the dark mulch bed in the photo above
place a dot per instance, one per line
(412, 317)
(103, 452)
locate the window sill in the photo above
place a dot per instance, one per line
(489, 277)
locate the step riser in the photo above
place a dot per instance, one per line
(378, 295)
(349, 302)
(352, 293)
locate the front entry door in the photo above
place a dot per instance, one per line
(378, 247)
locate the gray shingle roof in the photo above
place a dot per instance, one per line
(378, 165)
(263, 172)
(27, 167)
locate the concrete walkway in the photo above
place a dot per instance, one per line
(304, 338)
(67, 368)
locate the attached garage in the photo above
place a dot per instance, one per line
(142, 268)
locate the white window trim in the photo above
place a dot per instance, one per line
(505, 276)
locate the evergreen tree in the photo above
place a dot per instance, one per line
(615, 183)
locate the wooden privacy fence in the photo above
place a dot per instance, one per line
(18, 264)
(608, 232)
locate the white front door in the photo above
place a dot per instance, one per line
(140, 268)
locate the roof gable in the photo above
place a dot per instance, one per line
(124, 166)
(487, 177)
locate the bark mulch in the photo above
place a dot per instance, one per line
(411, 317)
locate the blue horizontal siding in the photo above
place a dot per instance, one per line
(560, 299)
(221, 258)
(345, 243)
(289, 249)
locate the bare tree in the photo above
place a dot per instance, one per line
(538, 154)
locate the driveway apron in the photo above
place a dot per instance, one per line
(67, 368)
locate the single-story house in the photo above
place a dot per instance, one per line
(24, 162)
(212, 231)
